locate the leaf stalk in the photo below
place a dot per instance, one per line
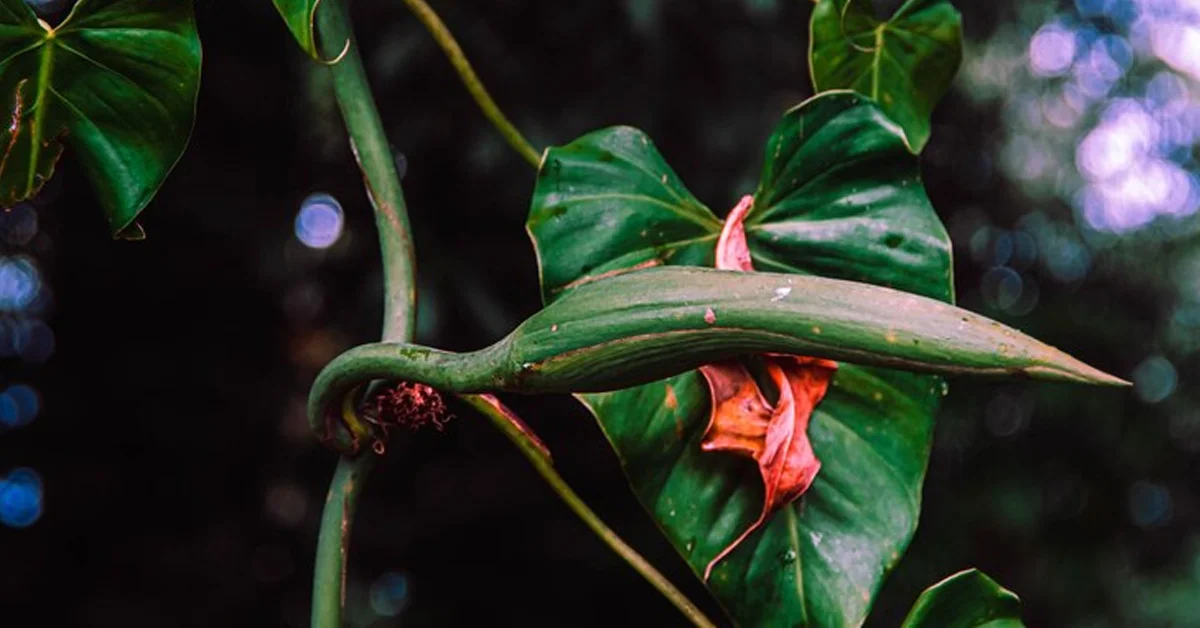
(442, 35)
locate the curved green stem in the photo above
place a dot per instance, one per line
(450, 46)
(375, 159)
(514, 429)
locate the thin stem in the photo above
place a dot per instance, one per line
(446, 40)
(329, 579)
(378, 164)
(375, 159)
(370, 146)
(538, 456)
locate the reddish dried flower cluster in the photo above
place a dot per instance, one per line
(408, 405)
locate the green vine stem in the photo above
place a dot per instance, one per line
(333, 542)
(450, 46)
(507, 422)
(369, 144)
(375, 159)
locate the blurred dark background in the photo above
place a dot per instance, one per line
(157, 467)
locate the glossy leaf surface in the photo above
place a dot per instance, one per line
(116, 81)
(840, 196)
(968, 599)
(905, 63)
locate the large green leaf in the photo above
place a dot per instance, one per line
(968, 599)
(906, 63)
(116, 80)
(840, 197)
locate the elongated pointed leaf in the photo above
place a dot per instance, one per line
(116, 81)
(299, 16)
(968, 599)
(840, 196)
(641, 325)
(906, 63)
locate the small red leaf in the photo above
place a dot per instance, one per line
(744, 423)
(740, 415)
(733, 253)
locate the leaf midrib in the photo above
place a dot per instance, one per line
(45, 65)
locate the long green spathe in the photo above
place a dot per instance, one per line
(649, 324)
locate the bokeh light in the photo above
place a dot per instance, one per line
(320, 221)
(20, 498)
(389, 594)
(1150, 504)
(1155, 379)
(20, 283)
(18, 224)
(33, 340)
(1051, 50)
(401, 162)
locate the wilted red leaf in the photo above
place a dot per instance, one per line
(733, 252)
(743, 422)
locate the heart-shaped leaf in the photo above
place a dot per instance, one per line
(116, 81)
(968, 599)
(906, 63)
(840, 196)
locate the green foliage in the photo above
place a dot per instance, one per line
(855, 266)
(300, 16)
(840, 196)
(968, 599)
(116, 81)
(906, 63)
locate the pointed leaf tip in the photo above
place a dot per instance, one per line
(906, 63)
(967, 599)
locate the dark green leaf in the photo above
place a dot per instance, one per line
(906, 63)
(117, 81)
(839, 197)
(608, 202)
(299, 16)
(968, 599)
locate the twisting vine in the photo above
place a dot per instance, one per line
(375, 159)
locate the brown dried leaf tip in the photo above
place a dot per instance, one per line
(408, 405)
(744, 423)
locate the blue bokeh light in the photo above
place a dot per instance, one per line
(33, 341)
(1155, 379)
(320, 220)
(18, 224)
(20, 283)
(27, 401)
(10, 412)
(20, 498)
(389, 594)
(1150, 504)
